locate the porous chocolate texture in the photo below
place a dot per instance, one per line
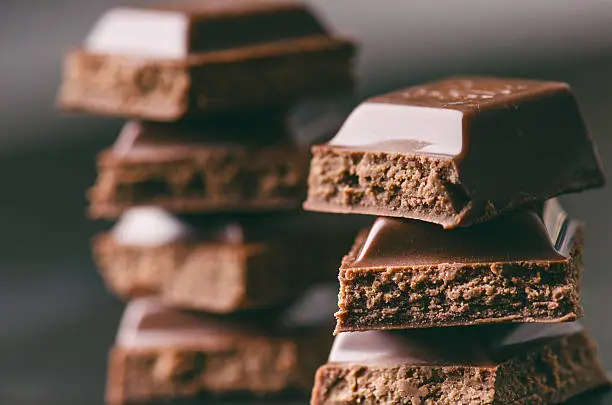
(207, 59)
(218, 278)
(269, 262)
(197, 175)
(456, 152)
(411, 274)
(527, 365)
(162, 354)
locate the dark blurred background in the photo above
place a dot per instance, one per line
(56, 321)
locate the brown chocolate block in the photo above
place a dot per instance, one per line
(412, 274)
(169, 62)
(221, 265)
(161, 354)
(456, 152)
(486, 364)
(195, 171)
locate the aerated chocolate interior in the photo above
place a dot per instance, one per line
(403, 273)
(456, 152)
(487, 364)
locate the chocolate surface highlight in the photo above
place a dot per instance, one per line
(456, 152)
(191, 60)
(404, 274)
(395, 242)
(478, 345)
(182, 29)
(163, 354)
(492, 364)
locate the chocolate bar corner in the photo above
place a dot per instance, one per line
(181, 60)
(456, 152)
(162, 354)
(486, 364)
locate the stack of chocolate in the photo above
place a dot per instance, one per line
(206, 181)
(466, 289)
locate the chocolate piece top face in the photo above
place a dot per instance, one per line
(147, 323)
(153, 226)
(437, 117)
(480, 345)
(510, 141)
(177, 30)
(402, 128)
(150, 226)
(399, 242)
(139, 139)
(461, 151)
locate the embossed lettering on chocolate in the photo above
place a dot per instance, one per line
(456, 152)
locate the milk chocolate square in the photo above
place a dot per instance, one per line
(410, 274)
(183, 59)
(197, 168)
(221, 264)
(162, 354)
(456, 152)
(486, 364)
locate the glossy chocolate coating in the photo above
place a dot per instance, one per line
(507, 138)
(146, 323)
(404, 242)
(453, 107)
(152, 226)
(177, 30)
(138, 138)
(480, 345)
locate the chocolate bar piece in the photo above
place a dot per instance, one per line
(161, 354)
(410, 274)
(169, 62)
(195, 169)
(221, 264)
(456, 152)
(486, 364)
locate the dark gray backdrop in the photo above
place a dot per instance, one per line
(56, 321)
